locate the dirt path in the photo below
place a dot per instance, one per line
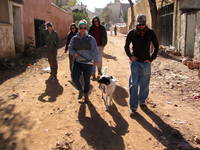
(38, 114)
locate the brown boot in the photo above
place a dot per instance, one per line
(86, 100)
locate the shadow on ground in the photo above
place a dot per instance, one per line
(96, 131)
(53, 90)
(13, 67)
(107, 56)
(12, 123)
(168, 136)
(10, 68)
(120, 96)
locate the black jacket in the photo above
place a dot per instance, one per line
(69, 37)
(104, 38)
(141, 45)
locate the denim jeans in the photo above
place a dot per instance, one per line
(100, 62)
(85, 70)
(139, 83)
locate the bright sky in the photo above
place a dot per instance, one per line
(91, 4)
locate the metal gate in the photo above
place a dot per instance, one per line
(166, 24)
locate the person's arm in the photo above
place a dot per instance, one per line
(67, 43)
(127, 44)
(72, 51)
(127, 47)
(105, 36)
(57, 39)
(95, 50)
(156, 46)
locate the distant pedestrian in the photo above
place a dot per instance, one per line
(72, 33)
(98, 31)
(51, 42)
(141, 39)
(115, 30)
(84, 49)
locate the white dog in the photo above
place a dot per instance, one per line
(107, 84)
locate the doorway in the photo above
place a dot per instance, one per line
(190, 34)
(166, 22)
(39, 37)
(18, 28)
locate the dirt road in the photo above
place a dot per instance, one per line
(38, 114)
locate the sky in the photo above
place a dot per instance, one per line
(91, 4)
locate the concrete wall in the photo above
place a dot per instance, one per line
(7, 48)
(189, 4)
(197, 39)
(45, 10)
(116, 12)
(180, 24)
(142, 7)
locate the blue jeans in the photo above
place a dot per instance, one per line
(85, 70)
(139, 83)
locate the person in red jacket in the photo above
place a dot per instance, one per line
(98, 31)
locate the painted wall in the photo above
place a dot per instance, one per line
(45, 10)
(7, 47)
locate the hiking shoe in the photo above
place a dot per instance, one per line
(93, 77)
(99, 73)
(143, 106)
(86, 100)
(133, 113)
(80, 95)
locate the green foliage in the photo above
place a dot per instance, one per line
(80, 14)
(72, 3)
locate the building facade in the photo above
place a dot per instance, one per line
(11, 28)
(44, 11)
(119, 11)
(20, 21)
(179, 25)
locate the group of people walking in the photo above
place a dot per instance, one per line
(86, 52)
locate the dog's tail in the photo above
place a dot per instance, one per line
(105, 70)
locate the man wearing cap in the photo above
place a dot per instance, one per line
(51, 42)
(84, 49)
(140, 61)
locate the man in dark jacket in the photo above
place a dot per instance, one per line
(98, 31)
(141, 59)
(51, 42)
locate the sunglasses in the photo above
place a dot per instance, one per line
(72, 28)
(83, 28)
(141, 25)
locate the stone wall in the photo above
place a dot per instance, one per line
(7, 48)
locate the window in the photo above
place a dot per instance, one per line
(4, 11)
